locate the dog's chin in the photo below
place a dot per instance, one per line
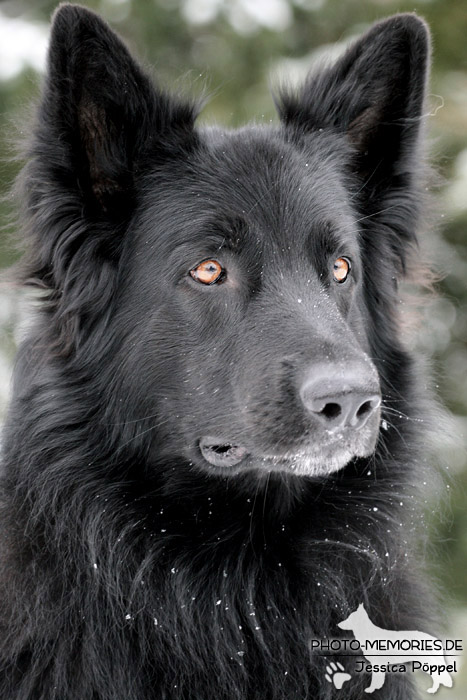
(229, 459)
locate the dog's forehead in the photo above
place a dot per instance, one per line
(263, 177)
(265, 160)
(255, 186)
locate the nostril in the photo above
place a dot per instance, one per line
(331, 411)
(364, 409)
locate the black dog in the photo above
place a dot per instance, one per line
(207, 458)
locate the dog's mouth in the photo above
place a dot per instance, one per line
(221, 454)
(327, 459)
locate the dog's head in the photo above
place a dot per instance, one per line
(232, 294)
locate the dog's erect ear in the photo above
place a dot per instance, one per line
(101, 123)
(374, 94)
(100, 113)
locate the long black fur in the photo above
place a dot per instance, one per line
(129, 570)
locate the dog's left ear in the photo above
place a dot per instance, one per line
(374, 95)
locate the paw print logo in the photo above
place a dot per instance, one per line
(337, 675)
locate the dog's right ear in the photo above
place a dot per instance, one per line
(100, 114)
(100, 123)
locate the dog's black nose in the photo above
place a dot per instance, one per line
(341, 399)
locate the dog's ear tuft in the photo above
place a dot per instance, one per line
(101, 111)
(374, 94)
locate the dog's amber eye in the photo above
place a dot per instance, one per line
(208, 272)
(341, 269)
